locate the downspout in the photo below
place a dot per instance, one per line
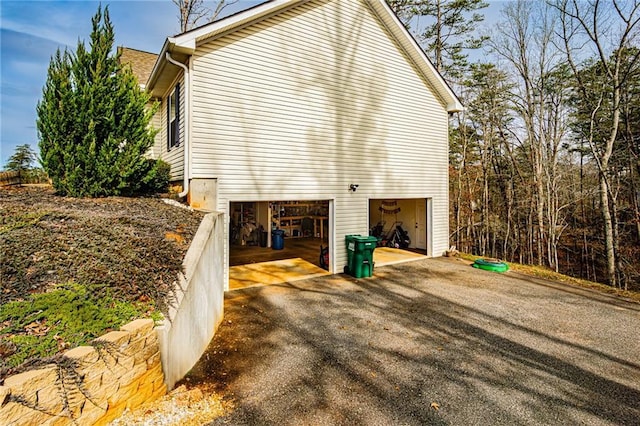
(185, 172)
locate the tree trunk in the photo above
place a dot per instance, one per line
(438, 40)
(608, 231)
(635, 196)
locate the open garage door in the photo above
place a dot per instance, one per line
(277, 241)
(401, 223)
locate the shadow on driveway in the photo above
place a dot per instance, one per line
(427, 342)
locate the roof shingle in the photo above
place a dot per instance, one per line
(141, 62)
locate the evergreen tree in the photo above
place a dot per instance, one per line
(93, 120)
(449, 32)
(22, 159)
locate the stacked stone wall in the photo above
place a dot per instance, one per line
(88, 385)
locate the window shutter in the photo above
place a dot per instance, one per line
(168, 121)
(177, 135)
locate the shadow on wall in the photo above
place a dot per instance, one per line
(338, 88)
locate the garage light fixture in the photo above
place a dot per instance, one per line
(353, 187)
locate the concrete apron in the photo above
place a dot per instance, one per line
(290, 270)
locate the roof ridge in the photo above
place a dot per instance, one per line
(137, 50)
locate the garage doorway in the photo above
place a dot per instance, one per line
(304, 227)
(393, 219)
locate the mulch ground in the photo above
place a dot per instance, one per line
(130, 247)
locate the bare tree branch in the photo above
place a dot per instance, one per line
(194, 11)
(220, 7)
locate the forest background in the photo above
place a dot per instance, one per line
(544, 161)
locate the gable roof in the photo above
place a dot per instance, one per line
(141, 62)
(181, 46)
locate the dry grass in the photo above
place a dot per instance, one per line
(547, 274)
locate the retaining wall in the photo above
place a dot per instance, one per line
(93, 385)
(186, 333)
(90, 384)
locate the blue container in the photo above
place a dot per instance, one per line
(277, 239)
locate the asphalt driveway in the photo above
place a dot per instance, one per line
(428, 342)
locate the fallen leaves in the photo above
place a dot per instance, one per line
(7, 348)
(36, 328)
(174, 236)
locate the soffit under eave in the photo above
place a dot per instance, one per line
(167, 74)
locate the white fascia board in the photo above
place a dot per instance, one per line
(191, 38)
(416, 53)
(182, 45)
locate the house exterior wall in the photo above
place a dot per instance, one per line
(175, 156)
(156, 150)
(306, 102)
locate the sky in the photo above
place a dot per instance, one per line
(32, 31)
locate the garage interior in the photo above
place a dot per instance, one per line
(401, 223)
(306, 228)
(305, 225)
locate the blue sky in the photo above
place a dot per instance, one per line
(31, 31)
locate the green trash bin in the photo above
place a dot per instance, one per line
(360, 255)
(351, 251)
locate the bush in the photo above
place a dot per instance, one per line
(156, 178)
(35, 175)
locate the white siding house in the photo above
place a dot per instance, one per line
(299, 99)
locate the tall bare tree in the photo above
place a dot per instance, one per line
(609, 28)
(527, 178)
(525, 42)
(194, 11)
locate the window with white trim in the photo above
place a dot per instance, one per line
(173, 118)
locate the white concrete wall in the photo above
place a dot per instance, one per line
(193, 320)
(300, 105)
(203, 194)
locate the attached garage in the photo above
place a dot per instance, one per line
(294, 103)
(299, 227)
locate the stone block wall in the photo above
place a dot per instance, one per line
(88, 385)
